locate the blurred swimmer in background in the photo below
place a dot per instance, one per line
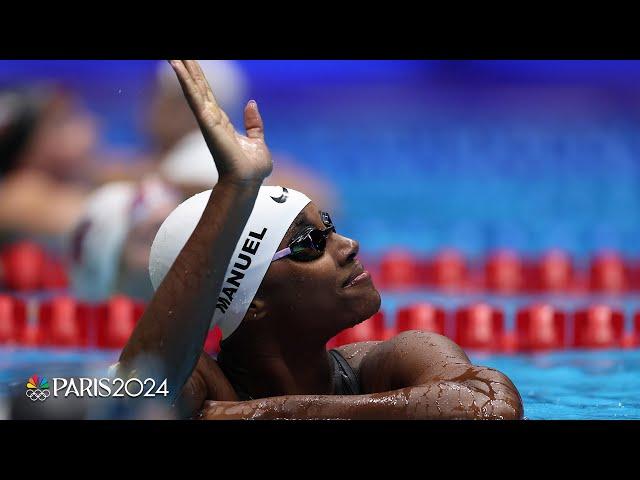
(109, 247)
(180, 153)
(267, 266)
(47, 140)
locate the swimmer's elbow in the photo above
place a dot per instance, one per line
(514, 411)
(508, 412)
(502, 410)
(505, 400)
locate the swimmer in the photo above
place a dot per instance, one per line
(47, 140)
(268, 267)
(109, 246)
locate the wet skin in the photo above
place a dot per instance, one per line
(415, 375)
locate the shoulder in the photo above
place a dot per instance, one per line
(354, 353)
(425, 344)
(406, 358)
(401, 360)
(410, 341)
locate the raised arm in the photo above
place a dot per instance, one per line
(417, 376)
(168, 340)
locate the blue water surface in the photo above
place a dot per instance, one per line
(574, 385)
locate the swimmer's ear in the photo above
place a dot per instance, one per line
(257, 310)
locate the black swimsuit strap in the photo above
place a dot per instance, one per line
(345, 380)
(242, 394)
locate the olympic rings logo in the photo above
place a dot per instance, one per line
(38, 387)
(36, 394)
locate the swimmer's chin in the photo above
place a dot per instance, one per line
(372, 307)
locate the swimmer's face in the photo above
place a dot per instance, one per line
(64, 139)
(318, 297)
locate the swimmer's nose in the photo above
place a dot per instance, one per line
(347, 250)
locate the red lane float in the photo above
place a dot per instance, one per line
(446, 270)
(332, 343)
(115, 321)
(599, 326)
(398, 270)
(63, 322)
(22, 265)
(31, 336)
(371, 329)
(13, 319)
(504, 272)
(608, 273)
(632, 339)
(212, 343)
(553, 272)
(479, 326)
(422, 316)
(26, 266)
(540, 327)
(54, 275)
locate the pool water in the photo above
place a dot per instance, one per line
(563, 385)
(574, 385)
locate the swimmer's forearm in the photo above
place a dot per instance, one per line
(174, 326)
(436, 401)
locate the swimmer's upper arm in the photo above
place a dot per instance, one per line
(416, 358)
(207, 382)
(410, 358)
(397, 362)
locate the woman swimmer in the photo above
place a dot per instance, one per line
(269, 268)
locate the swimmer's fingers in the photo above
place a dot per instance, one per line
(217, 132)
(195, 70)
(253, 121)
(207, 112)
(246, 158)
(203, 84)
(190, 89)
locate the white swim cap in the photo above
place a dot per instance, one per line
(274, 211)
(97, 241)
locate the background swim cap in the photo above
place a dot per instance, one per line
(274, 211)
(190, 162)
(97, 241)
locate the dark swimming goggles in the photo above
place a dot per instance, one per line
(310, 244)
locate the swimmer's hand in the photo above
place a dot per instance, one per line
(238, 158)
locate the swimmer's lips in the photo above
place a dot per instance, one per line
(358, 275)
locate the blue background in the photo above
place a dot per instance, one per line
(471, 154)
